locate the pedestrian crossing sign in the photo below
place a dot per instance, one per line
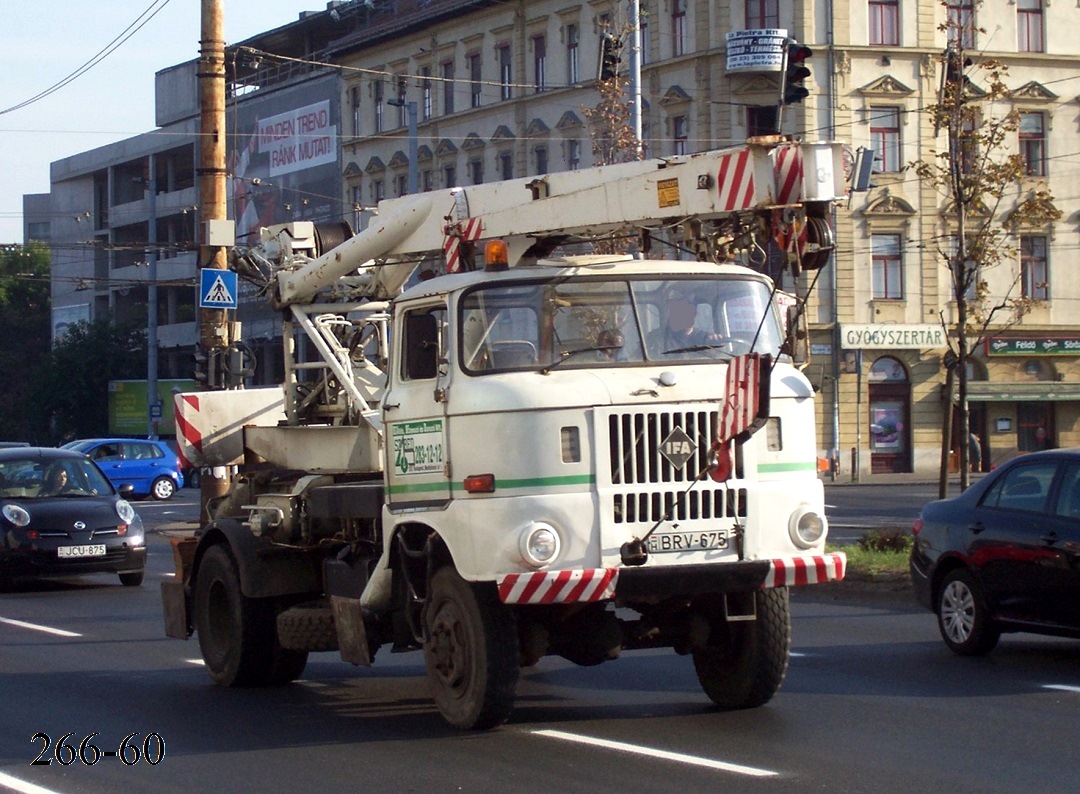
(217, 288)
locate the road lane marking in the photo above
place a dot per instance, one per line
(1062, 687)
(195, 661)
(36, 627)
(653, 753)
(22, 786)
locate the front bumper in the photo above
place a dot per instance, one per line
(627, 585)
(44, 562)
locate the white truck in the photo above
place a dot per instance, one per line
(519, 455)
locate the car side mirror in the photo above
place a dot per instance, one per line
(126, 490)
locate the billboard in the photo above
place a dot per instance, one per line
(755, 50)
(130, 411)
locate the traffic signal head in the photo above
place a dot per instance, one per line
(610, 57)
(795, 72)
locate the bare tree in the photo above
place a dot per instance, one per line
(988, 205)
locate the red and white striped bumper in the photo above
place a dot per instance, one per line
(600, 584)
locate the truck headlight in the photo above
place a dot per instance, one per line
(806, 527)
(539, 543)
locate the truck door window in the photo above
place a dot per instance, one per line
(420, 360)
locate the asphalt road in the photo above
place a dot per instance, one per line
(873, 701)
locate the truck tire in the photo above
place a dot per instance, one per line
(470, 651)
(744, 662)
(237, 634)
(307, 627)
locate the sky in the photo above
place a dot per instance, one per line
(108, 101)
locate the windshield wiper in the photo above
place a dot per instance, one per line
(568, 354)
(697, 348)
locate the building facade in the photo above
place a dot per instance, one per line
(431, 94)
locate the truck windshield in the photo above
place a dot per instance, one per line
(615, 322)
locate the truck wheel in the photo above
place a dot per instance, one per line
(744, 662)
(308, 627)
(471, 652)
(237, 634)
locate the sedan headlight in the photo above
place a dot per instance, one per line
(806, 527)
(539, 543)
(16, 515)
(125, 511)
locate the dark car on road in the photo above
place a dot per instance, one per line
(1004, 556)
(60, 515)
(152, 468)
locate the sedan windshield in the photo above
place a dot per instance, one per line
(610, 323)
(35, 478)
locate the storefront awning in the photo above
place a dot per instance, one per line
(1039, 391)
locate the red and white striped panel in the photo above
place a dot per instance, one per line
(788, 173)
(187, 431)
(793, 571)
(743, 393)
(735, 181)
(457, 233)
(558, 587)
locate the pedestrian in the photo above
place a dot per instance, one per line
(974, 452)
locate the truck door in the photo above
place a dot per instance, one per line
(414, 407)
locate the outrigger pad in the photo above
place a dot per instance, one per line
(352, 637)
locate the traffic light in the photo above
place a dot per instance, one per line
(206, 368)
(795, 72)
(610, 57)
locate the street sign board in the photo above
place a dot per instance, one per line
(217, 288)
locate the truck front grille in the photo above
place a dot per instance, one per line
(638, 467)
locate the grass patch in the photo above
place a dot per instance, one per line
(880, 552)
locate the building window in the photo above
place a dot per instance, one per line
(679, 134)
(888, 280)
(1034, 274)
(425, 92)
(401, 184)
(1033, 143)
(449, 175)
(506, 165)
(354, 103)
(1029, 26)
(379, 106)
(961, 23)
(378, 190)
(402, 109)
(678, 27)
(885, 137)
(426, 180)
(539, 62)
(573, 41)
(573, 155)
(643, 26)
(506, 72)
(969, 146)
(761, 121)
(541, 154)
(476, 171)
(762, 14)
(448, 87)
(885, 22)
(476, 85)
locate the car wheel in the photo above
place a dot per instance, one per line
(163, 488)
(471, 652)
(963, 617)
(132, 578)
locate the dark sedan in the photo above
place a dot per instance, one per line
(1004, 556)
(60, 515)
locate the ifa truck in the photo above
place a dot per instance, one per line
(496, 440)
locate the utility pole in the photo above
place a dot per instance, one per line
(635, 74)
(152, 399)
(213, 327)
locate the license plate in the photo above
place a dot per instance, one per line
(93, 550)
(709, 540)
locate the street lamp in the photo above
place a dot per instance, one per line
(153, 404)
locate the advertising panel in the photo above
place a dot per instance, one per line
(755, 50)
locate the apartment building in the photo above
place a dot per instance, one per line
(431, 94)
